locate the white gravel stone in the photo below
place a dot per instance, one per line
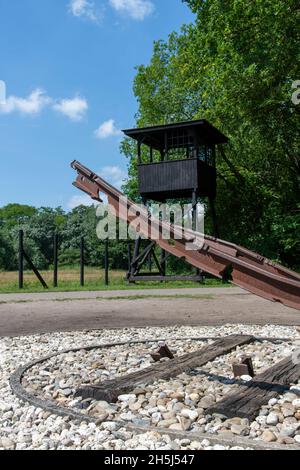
(180, 401)
(127, 398)
(287, 431)
(272, 419)
(296, 403)
(246, 378)
(205, 443)
(191, 414)
(7, 444)
(268, 436)
(4, 407)
(261, 420)
(272, 402)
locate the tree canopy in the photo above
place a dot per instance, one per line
(40, 225)
(235, 66)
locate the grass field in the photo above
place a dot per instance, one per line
(68, 281)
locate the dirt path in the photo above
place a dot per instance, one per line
(41, 313)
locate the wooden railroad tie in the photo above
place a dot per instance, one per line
(249, 398)
(110, 390)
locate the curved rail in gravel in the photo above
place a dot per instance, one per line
(15, 382)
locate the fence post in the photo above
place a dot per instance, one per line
(21, 259)
(55, 262)
(106, 262)
(82, 262)
(129, 256)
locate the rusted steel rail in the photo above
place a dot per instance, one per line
(222, 259)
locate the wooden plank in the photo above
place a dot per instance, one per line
(35, 270)
(21, 259)
(106, 261)
(111, 389)
(55, 260)
(82, 261)
(249, 398)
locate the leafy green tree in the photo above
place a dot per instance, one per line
(40, 225)
(235, 67)
(80, 222)
(15, 214)
(39, 231)
(7, 253)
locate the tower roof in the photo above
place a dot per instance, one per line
(155, 135)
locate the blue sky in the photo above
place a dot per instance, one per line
(68, 66)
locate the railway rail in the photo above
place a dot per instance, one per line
(220, 258)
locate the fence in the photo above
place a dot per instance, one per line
(24, 256)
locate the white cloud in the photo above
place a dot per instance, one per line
(114, 175)
(81, 200)
(32, 104)
(107, 129)
(74, 108)
(85, 9)
(136, 9)
(37, 100)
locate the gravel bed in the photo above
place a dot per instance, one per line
(178, 404)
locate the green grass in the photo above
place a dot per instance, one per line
(68, 281)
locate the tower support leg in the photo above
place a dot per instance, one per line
(214, 218)
(135, 256)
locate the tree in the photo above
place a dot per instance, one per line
(82, 222)
(15, 214)
(235, 67)
(40, 225)
(7, 254)
(39, 231)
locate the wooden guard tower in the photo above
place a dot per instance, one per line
(175, 161)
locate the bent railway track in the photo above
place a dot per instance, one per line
(222, 259)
